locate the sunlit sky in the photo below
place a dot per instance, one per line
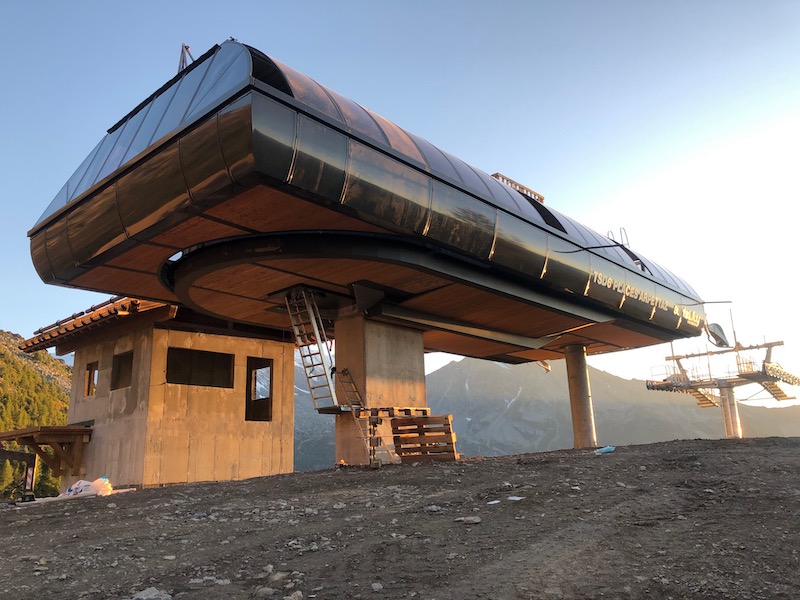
(677, 121)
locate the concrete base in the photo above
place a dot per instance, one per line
(730, 414)
(580, 397)
(388, 368)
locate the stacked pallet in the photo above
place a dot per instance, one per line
(424, 438)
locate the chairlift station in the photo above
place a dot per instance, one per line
(244, 200)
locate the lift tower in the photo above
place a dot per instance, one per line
(702, 384)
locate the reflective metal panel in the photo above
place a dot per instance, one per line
(383, 189)
(152, 192)
(467, 175)
(435, 158)
(669, 313)
(58, 251)
(528, 209)
(398, 138)
(310, 92)
(93, 227)
(357, 118)
(39, 256)
(641, 298)
(568, 266)
(273, 137)
(203, 164)
(320, 161)
(236, 136)
(462, 221)
(519, 246)
(682, 285)
(503, 195)
(607, 282)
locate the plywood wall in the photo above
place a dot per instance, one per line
(199, 433)
(120, 416)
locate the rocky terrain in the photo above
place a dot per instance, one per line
(687, 519)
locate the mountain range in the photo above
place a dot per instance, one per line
(503, 409)
(497, 409)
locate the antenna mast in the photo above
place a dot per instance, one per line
(185, 51)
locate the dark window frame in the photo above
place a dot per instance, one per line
(258, 408)
(122, 370)
(189, 366)
(90, 377)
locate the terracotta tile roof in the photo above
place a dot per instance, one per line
(94, 317)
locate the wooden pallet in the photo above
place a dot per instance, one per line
(424, 438)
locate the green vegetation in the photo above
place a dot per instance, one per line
(34, 390)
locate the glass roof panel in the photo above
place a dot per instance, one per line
(309, 91)
(90, 176)
(467, 175)
(55, 205)
(218, 66)
(74, 180)
(357, 118)
(398, 138)
(173, 117)
(151, 122)
(236, 75)
(435, 158)
(503, 195)
(117, 154)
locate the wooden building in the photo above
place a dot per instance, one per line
(173, 397)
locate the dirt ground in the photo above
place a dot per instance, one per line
(688, 519)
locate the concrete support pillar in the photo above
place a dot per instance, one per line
(580, 397)
(730, 413)
(387, 365)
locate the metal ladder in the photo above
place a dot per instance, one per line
(366, 419)
(321, 374)
(315, 349)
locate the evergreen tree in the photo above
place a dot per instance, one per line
(46, 485)
(34, 390)
(6, 476)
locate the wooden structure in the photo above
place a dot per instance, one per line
(66, 441)
(171, 397)
(29, 460)
(424, 438)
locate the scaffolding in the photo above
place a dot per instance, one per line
(717, 390)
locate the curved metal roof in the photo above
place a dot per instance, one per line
(226, 69)
(197, 195)
(214, 77)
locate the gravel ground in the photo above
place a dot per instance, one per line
(685, 519)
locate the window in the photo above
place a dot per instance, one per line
(90, 379)
(121, 370)
(258, 403)
(197, 367)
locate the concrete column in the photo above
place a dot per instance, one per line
(580, 397)
(730, 413)
(387, 365)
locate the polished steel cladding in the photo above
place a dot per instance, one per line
(239, 150)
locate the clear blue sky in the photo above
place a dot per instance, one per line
(676, 120)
